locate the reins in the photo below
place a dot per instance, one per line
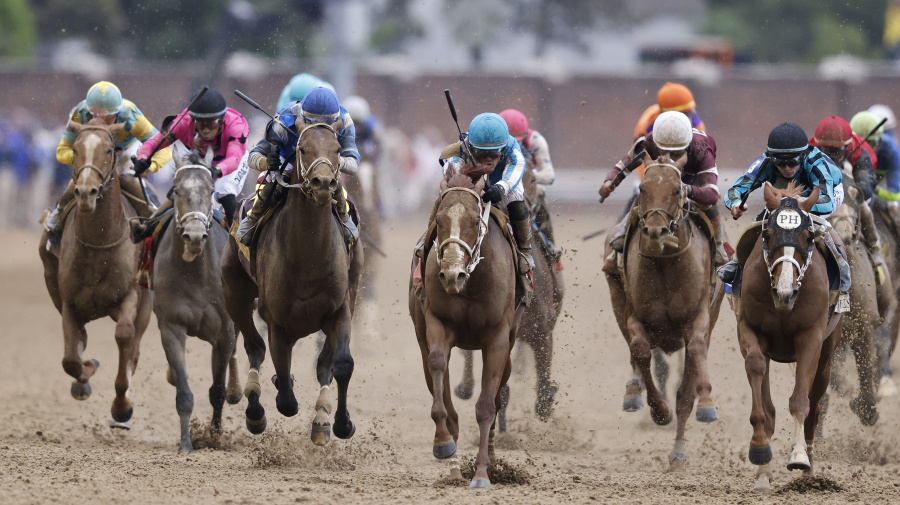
(182, 219)
(684, 210)
(473, 251)
(106, 181)
(788, 258)
(304, 170)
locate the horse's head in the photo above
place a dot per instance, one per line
(460, 230)
(529, 183)
(787, 240)
(661, 203)
(192, 194)
(845, 218)
(318, 166)
(94, 160)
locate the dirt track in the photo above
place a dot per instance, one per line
(55, 449)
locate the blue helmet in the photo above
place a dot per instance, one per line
(488, 131)
(320, 105)
(298, 87)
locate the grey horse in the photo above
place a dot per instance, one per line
(187, 284)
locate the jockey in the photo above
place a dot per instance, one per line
(671, 96)
(790, 157)
(104, 100)
(835, 137)
(885, 112)
(887, 154)
(298, 87)
(674, 141)
(320, 105)
(537, 153)
(207, 124)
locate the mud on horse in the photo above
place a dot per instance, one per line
(306, 281)
(93, 274)
(784, 316)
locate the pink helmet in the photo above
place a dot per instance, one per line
(517, 122)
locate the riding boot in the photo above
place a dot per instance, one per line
(872, 242)
(617, 243)
(419, 249)
(52, 222)
(134, 191)
(141, 227)
(348, 227)
(542, 218)
(229, 206)
(244, 233)
(721, 257)
(838, 246)
(522, 233)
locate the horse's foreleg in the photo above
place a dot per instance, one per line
(684, 402)
(128, 343)
(756, 367)
(437, 360)
(808, 351)
(466, 385)
(699, 348)
(641, 354)
(342, 367)
(173, 338)
(234, 390)
(281, 349)
(141, 322)
(452, 415)
(495, 367)
(817, 391)
(75, 338)
(222, 355)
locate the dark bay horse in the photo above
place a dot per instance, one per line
(887, 220)
(860, 323)
(469, 282)
(93, 274)
(187, 284)
(662, 298)
(306, 281)
(786, 320)
(536, 328)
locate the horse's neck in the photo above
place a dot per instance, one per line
(105, 224)
(485, 275)
(309, 227)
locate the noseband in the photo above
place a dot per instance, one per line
(473, 252)
(676, 219)
(785, 221)
(182, 219)
(105, 178)
(304, 170)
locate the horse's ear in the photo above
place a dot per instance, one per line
(771, 196)
(807, 205)
(115, 128)
(479, 185)
(74, 127)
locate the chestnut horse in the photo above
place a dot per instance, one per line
(306, 281)
(93, 274)
(662, 298)
(786, 320)
(187, 284)
(470, 286)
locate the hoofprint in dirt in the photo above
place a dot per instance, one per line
(52, 448)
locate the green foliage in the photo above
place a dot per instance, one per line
(100, 21)
(17, 29)
(798, 30)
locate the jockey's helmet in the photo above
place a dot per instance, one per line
(358, 107)
(883, 111)
(864, 122)
(833, 131)
(672, 131)
(320, 105)
(210, 106)
(517, 123)
(488, 132)
(298, 87)
(104, 99)
(787, 140)
(675, 97)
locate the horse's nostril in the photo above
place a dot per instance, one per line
(332, 185)
(204, 236)
(185, 236)
(442, 276)
(77, 192)
(94, 191)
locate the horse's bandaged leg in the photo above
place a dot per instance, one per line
(252, 385)
(799, 459)
(324, 401)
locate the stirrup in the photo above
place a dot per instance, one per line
(244, 233)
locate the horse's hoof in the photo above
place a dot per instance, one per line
(186, 447)
(799, 460)
(463, 392)
(120, 425)
(707, 414)
(480, 483)
(760, 455)
(663, 421)
(444, 451)
(321, 434)
(762, 485)
(80, 391)
(288, 407)
(122, 417)
(256, 426)
(677, 462)
(633, 403)
(233, 399)
(341, 433)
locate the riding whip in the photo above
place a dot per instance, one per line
(850, 155)
(634, 163)
(462, 138)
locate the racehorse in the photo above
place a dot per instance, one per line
(536, 328)
(863, 318)
(93, 274)
(306, 281)
(187, 283)
(657, 306)
(470, 286)
(886, 221)
(786, 320)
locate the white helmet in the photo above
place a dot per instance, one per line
(883, 111)
(672, 131)
(358, 108)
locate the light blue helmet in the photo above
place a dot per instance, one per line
(488, 131)
(104, 99)
(320, 105)
(298, 87)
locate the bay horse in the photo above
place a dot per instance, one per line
(536, 328)
(187, 283)
(860, 322)
(306, 280)
(887, 220)
(93, 273)
(662, 298)
(786, 320)
(470, 285)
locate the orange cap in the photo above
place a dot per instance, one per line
(675, 97)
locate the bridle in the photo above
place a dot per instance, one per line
(106, 178)
(474, 251)
(789, 248)
(676, 219)
(182, 219)
(304, 170)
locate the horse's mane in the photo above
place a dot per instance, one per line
(774, 196)
(476, 171)
(459, 180)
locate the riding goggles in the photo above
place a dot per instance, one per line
(208, 124)
(787, 161)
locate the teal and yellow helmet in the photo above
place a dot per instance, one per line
(488, 131)
(104, 99)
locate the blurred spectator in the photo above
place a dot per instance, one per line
(26, 163)
(892, 29)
